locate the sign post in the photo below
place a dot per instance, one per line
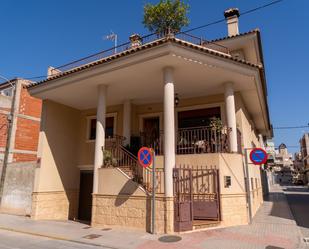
(146, 157)
(153, 217)
(258, 156)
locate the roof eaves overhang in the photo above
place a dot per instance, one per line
(140, 48)
(72, 75)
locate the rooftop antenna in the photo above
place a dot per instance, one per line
(112, 37)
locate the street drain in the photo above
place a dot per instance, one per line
(92, 236)
(86, 227)
(169, 238)
(273, 247)
(106, 229)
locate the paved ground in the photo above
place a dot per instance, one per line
(273, 227)
(12, 240)
(298, 199)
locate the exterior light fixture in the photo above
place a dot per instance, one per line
(176, 99)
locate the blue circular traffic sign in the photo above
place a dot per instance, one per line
(258, 156)
(145, 157)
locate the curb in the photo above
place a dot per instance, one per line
(301, 243)
(55, 237)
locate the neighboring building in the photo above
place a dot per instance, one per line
(25, 118)
(283, 158)
(24, 112)
(304, 150)
(271, 152)
(298, 164)
(283, 165)
(198, 104)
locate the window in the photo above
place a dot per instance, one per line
(196, 118)
(110, 122)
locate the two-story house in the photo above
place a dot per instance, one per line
(197, 103)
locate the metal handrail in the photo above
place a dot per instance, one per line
(127, 45)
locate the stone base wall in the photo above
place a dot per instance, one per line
(56, 205)
(234, 209)
(133, 212)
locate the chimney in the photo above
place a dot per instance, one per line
(231, 16)
(136, 40)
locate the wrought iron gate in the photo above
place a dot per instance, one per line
(197, 197)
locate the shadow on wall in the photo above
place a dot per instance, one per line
(60, 124)
(125, 192)
(124, 195)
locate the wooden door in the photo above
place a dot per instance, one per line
(85, 195)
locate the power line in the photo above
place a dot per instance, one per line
(291, 127)
(241, 14)
(205, 25)
(260, 7)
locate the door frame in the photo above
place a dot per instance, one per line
(151, 115)
(84, 171)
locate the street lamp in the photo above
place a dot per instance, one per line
(8, 139)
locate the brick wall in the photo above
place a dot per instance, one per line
(27, 134)
(29, 105)
(28, 127)
(3, 129)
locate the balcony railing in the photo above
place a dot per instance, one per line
(195, 140)
(144, 40)
(202, 140)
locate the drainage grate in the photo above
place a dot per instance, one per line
(273, 247)
(86, 227)
(169, 238)
(106, 229)
(92, 236)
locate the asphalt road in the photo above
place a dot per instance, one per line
(13, 240)
(298, 199)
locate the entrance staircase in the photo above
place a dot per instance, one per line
(127, 162)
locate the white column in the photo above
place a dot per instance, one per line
(169, 131)
(100, 135)
(231, 115)
(127, 121)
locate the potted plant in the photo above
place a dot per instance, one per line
(108, 160)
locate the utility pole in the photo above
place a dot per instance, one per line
(8, 138)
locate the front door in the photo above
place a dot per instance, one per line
(151, 130)
(85, 195)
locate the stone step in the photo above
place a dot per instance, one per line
(127, 170)
(201, 224)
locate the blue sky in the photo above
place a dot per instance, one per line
(36, 34)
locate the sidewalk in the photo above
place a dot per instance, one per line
(272, 227)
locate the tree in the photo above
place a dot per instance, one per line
(167, 15)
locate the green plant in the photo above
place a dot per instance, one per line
(167, 15)
(216, 123)
(108, 159)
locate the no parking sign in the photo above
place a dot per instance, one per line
(145, 157)
(258, 156)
